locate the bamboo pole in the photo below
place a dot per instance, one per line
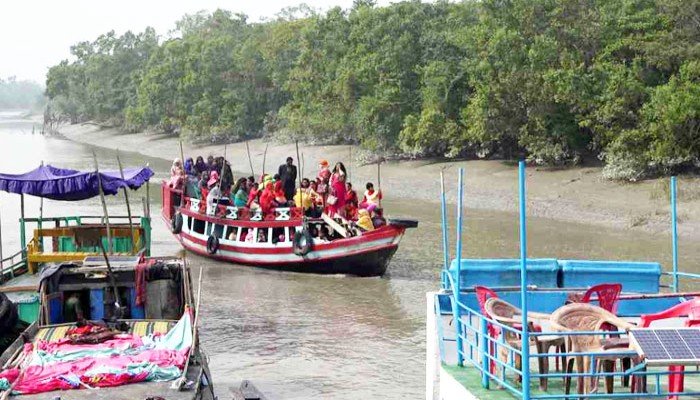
(104, 203)
(349, 162)
(379, 181)
(41, 216)
(264, 159)
(302, 164)
(250, 161)
(301, 192)
(184, 187)
(147, 209)
(128, 206)
(22, 228)
(182, 379)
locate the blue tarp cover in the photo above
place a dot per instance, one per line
(68, 184)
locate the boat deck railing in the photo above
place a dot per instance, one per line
(243, 213)
(509, 363)
(62, 247)
(503, 366)
(12, 265)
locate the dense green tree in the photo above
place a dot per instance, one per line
(555, 81)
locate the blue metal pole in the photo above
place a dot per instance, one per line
(674, 233)
(523, 283)
(445, 241)
(458, 256)
(484, 345)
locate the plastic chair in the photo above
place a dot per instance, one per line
(690, 309)
(482, 294)
(587, 317)
(509, 315)
(608, 295)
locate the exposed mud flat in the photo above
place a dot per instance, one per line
(575, 194)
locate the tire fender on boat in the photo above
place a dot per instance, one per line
(212, 244)
(303, 242)
(176, 223)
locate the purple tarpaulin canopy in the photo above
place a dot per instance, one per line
(68, 184)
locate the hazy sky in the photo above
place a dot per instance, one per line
(36, 34)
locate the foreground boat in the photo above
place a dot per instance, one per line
(53, 239)
(281, 239)
(497, 328)
(145, 346)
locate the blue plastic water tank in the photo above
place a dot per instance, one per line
(640, 277)
(505, 272)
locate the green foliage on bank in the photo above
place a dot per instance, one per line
(553, 80)
(20, 94)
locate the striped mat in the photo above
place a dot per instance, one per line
(140, 328)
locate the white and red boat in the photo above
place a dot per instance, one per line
(219, 232)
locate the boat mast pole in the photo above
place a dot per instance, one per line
(379, 180)
(674, 233)
(184, 187)
(128, 207)
(445, 239)
(104, 203)
(264, 158)
(458, 255)
(147, 209)
(301, 192)
(22, 228)
(41, 216)
(523, 285)
(250, 161)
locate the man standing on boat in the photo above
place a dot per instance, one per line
(288, 176)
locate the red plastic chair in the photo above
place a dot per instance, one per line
(482, 294)
(608, 295)
(690, 309)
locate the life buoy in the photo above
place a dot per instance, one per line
(176, 223)
(303, 242)
(212, 244)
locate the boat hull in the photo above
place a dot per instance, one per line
(367, 257)
(222, 233)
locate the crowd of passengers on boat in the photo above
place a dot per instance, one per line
(212, 182)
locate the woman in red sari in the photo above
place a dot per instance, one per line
(338, 191)
(267, 198)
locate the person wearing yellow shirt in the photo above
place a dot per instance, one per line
(306, 197)
(364, 222)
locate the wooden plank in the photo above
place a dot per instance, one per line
(336, 226)
(14, 289)
(92, 285)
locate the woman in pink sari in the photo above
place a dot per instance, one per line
(338, 191)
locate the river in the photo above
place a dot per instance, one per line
(303, 336)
